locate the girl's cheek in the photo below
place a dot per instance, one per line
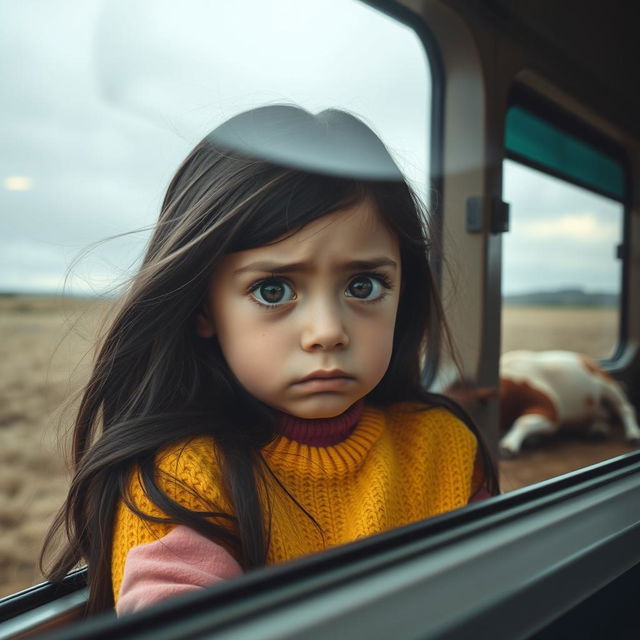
(376, 335)
(258, 360)
(251, 346)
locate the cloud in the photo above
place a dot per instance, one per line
(580, 227)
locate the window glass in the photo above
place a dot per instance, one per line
(561, 289)
(561, 276)
(101, 102)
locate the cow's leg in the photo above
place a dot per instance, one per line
(615, 398)
(599, 429)
(524, 426)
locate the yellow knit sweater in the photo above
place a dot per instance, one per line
(399, 465)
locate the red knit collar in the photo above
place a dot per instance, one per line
(320, 432)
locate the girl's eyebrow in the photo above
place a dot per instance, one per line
(352, 265)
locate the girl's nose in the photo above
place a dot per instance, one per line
(324, 328)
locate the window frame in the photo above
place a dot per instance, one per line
(429, 42)
(523, 96)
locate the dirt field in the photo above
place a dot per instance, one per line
(591, 331)
(42, 362)
(44, 357)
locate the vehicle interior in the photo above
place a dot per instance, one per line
(517, 122)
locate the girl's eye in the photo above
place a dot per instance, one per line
(272, 292)
(367, 287)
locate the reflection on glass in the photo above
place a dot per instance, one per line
(100, 110)
(102, 100)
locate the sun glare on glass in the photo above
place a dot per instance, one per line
(18, 183)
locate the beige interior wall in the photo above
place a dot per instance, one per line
(482, 58)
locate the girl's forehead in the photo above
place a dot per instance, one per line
(356, 228)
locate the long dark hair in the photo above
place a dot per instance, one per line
(156, 382)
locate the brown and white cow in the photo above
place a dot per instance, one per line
(542, 391)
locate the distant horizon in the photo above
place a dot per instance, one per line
(566, 289)
(56, 294)
(104, 294)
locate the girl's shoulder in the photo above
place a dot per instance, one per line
(190, 466)
(188, 453)
(421, 412)
(429, 420)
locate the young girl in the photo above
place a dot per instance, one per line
(258, 396)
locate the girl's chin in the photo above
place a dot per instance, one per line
(318, 408)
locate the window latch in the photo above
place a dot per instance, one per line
(487, 213)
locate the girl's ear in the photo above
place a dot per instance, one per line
(204, 323)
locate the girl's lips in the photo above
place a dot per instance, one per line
(323, 374)
(336, 383)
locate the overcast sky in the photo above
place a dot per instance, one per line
(561, 236)
(103, 99)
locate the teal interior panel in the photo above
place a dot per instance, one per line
(547, 145)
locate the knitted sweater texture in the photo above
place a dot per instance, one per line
(399, 465)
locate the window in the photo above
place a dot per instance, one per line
(562, 281)
(562, 270)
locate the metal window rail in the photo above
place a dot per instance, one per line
(58, 613)
(502, 569)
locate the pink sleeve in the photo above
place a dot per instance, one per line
(180, 562)
(479, 495)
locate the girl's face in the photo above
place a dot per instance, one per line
(306, 323)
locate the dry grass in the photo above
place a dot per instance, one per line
(44, 358)
(557, 455)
